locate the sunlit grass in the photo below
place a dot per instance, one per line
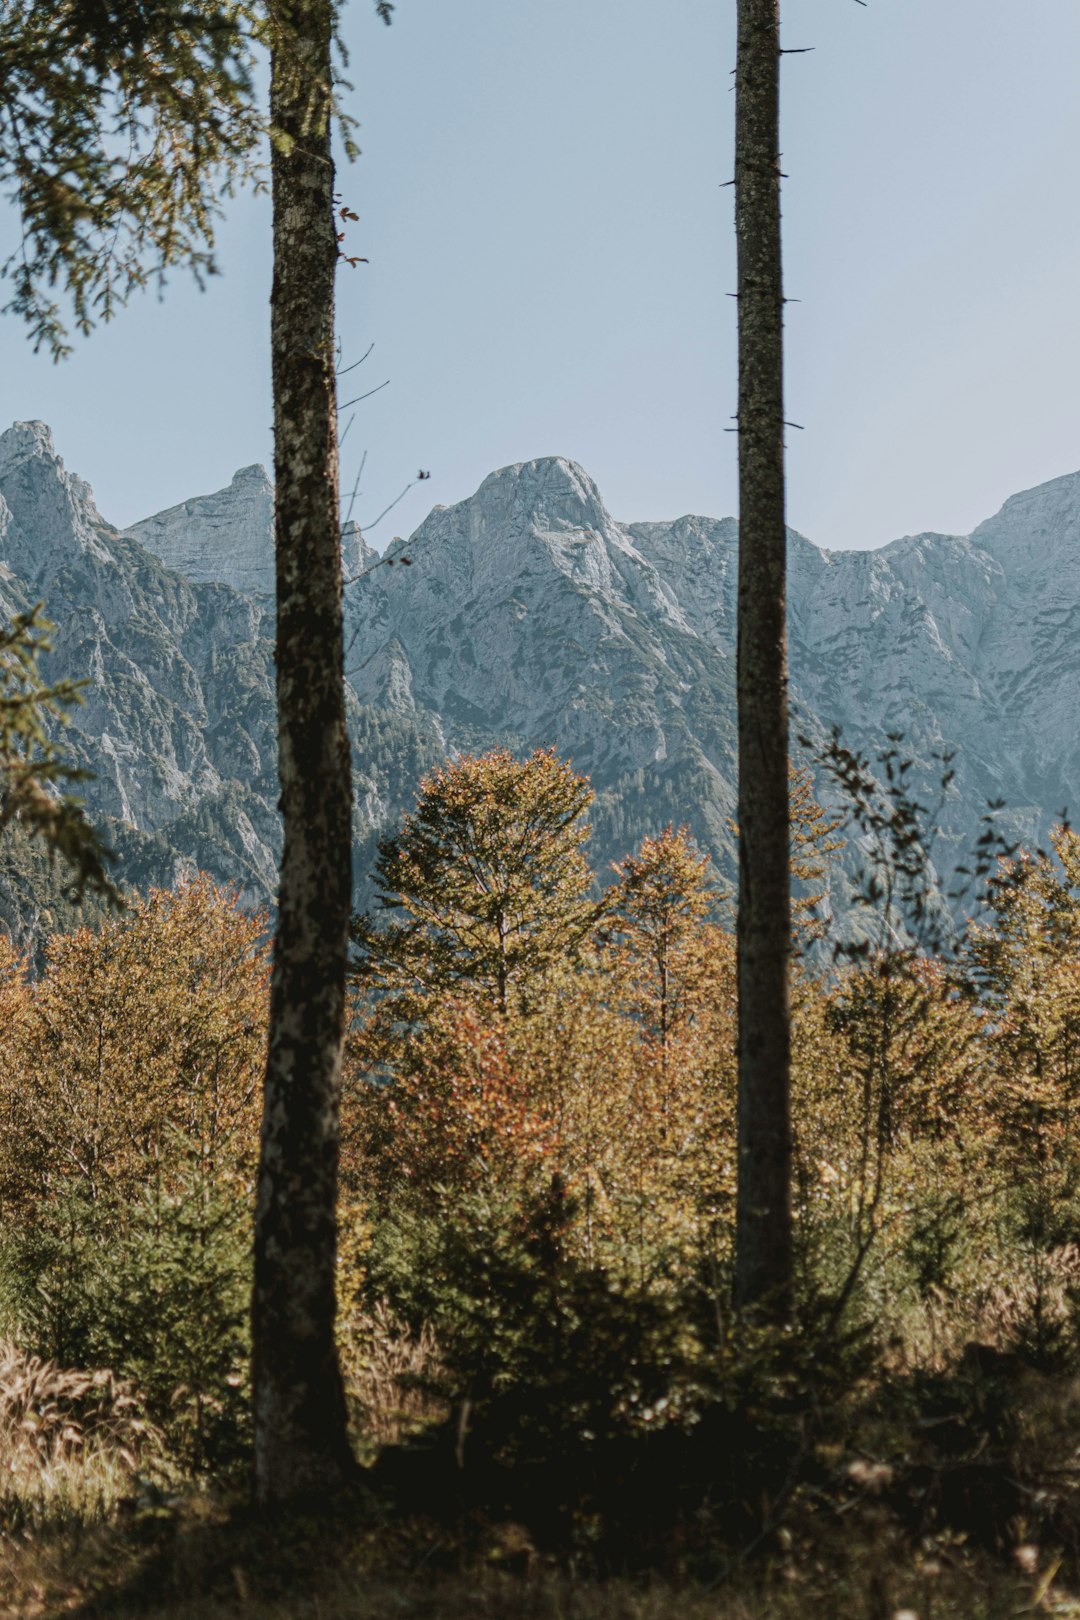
(73, 1445)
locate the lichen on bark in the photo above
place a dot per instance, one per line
(301, 1444)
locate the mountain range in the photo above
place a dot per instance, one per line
(529, 616)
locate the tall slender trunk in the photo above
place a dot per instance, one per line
(763, 1217)
(301, 1444)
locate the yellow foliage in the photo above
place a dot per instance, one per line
(138, 1051)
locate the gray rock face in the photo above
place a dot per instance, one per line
(178, 717)
(179, 722)
(47, 516)
(226, 538)
(528, 615)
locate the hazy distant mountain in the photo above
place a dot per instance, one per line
(530, 616)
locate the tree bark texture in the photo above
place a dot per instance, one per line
(301, 1445)
(763, 1216)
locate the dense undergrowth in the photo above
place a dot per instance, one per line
(537, 1197)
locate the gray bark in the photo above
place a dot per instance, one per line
(763, 1215)
(301, 1444)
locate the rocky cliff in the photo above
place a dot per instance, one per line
(178, 723)
(529, 612)
(530, 616)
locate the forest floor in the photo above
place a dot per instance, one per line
(199, 1561)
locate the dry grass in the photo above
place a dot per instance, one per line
(1005, 1305)
(79, 1538)
(71, 1443)
(388, 1372)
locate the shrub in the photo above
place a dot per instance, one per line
(158, 1289)
(129, 1083)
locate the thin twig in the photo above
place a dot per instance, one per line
(359, 397)
(343, 371)
(356, 486)
(367, 527)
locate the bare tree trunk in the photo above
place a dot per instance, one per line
(763, 1217)
(301, 1444)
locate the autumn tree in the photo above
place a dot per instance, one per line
(136, 1052)
(675, 965)
(611, 1068)
(814, 839)
(1024, 958)
(490, 873)
(764, 1239)
(662, 899)
(130, 1077)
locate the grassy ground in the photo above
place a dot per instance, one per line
(959, 1500)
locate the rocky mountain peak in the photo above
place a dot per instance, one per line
(356, 554)
(1037, 530)
(50, 516)
(23, 440)
(554, 492)
(256, 474)
(527, 522)
(225, 538)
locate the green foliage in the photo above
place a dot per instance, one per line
(546, 1361)
(121, 127)
(157, 1289)
(33, 772)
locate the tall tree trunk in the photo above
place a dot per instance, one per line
(301, 1445)
(763, 1217)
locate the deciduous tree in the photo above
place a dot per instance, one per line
(137, 1053)
(662, 899)
(491, 876)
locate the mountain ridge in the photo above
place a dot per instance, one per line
(530, 616)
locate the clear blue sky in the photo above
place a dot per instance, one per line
(550, 249)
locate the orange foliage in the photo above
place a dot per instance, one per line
(460, 1113)
(616, 1075)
